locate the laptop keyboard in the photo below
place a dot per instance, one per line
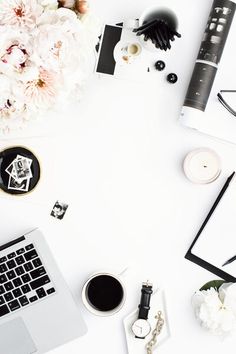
(23, 280)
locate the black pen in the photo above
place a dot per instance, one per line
(229, 261)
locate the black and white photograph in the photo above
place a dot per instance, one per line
(20, 173)
(59, 210)
(19, 157)
(22, 168)
(11, 170)
(19, 185)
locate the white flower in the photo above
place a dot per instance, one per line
(41, 93)
(21, 13)
(12, 106)
(216, 310)
(15, 54)
(55, 43)
(63, 45)
(46, 54)
(49, 4)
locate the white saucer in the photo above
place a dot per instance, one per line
(138, 346)
(120, 52)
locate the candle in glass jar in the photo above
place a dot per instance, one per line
(202, 166)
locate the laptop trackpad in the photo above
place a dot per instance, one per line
(15, 338)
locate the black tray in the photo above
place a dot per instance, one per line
(6, 158)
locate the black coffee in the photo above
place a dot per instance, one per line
(104, 293)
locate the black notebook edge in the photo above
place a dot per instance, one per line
(201, 262)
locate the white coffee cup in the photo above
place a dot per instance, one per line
(126, 53)
(134, 49)
(104, 294)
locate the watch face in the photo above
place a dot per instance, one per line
(141, 328)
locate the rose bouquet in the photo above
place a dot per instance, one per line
(215, 307)
(45, 56)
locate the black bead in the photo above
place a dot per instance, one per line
(172, 78)
(160, 65)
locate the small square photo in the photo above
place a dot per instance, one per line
(59, 210)
(22, 168)
(19, 185)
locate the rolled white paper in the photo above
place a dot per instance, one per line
(210, 52)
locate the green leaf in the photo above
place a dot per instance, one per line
(213, 284)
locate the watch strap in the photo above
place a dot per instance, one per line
(144, 305)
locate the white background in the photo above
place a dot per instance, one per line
(118, 164)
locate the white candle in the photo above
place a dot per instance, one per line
(202, 166)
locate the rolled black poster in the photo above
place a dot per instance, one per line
(212, 46)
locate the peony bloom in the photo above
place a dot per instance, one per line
(55, 44)
(216, 310)
(12, 106)
(65, 46)
(20, 13)
(15, 54)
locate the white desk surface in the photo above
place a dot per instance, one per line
(119, 166)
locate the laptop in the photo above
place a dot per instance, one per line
(37, 311)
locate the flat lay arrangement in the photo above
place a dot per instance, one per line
(117, 220)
